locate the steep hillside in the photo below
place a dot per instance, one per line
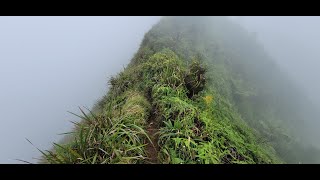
(199, 90)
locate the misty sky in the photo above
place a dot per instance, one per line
(51, 65)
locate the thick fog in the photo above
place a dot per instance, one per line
(294, 42)
(51, 65)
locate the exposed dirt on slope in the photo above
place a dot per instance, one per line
(152, 149)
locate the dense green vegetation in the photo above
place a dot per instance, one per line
(210, 90)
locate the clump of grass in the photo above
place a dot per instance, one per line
(195, 78)
(136, 107)
(117, 137)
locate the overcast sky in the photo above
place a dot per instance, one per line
(51, 65)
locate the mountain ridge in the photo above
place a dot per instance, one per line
(213, 93)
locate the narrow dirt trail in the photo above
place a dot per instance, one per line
(152, 150)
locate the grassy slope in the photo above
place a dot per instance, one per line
(193, 78)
